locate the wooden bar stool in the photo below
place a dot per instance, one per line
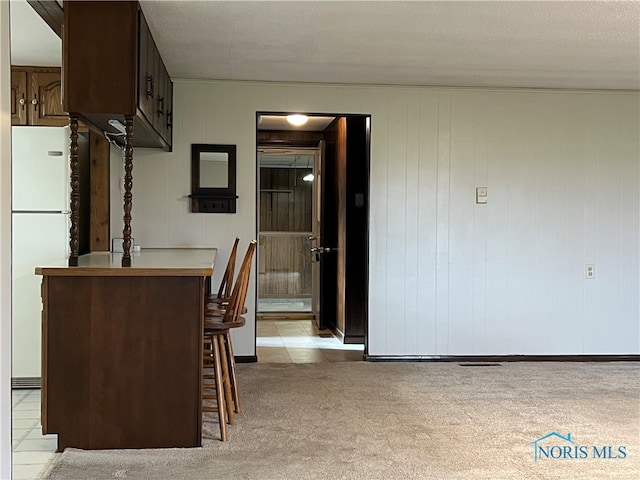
(219, 351)
(224, 292)
(215, 382)
(215, 303)
(212, 355)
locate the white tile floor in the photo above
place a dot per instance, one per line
(279, 341)
(299, 341)
(32, 451)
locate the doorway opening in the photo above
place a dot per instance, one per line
(285, 230)
(312, 222)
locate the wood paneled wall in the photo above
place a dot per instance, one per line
(285, 206)
(507, 277)
(357, 231)
(284, 266)
(447, 276)
(285, 200)
(99, 196)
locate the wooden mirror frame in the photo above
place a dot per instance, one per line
(207, 199)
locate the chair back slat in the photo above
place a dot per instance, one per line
(241, 286)
(227, 279)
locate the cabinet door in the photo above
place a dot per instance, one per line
(18, 98)
(169, 116)
(160, 117)
(45, 99)
(146, 74)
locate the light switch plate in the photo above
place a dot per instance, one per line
(481, 194)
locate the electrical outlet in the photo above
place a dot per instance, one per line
(590, 271)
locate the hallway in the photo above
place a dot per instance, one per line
(299, 341)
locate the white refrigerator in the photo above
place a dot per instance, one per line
(40, 233)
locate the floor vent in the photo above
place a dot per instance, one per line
(480, 364)
(25, 382)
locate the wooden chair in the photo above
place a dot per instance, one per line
(218, 350)
(224, 292)
(214, 304)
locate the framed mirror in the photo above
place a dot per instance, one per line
(213, 178)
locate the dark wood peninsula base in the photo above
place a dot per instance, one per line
(122, 350)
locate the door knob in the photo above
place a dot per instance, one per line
(322, 249)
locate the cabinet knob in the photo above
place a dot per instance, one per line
(22, 102)
(34, 102)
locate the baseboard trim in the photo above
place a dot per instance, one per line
(246, 358)
(25, 382)
(338, 334)
(353, 339)
(347, 339)
(502, 358)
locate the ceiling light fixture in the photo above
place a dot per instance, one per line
(297, 120)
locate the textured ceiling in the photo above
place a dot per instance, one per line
(567, 44)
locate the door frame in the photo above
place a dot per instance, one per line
(363, 170)
(286, 150)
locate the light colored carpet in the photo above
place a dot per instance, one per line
(401, 421)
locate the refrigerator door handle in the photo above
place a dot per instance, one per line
(53, 212)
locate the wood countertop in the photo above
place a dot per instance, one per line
(149, 262)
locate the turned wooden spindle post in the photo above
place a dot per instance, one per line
(128, 186)
(75, 191)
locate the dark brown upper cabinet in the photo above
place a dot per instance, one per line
(112, 68)
(36, 97)
(213, 178)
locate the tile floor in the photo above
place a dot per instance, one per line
(279, 341)
(299, 341)
(32, 451)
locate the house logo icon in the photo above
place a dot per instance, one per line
(554, 446)
(566, 440)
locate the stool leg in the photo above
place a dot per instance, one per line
(232, 372)
(219, 389)
(225, 379)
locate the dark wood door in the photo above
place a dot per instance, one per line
(160, 120)
(146, 80)
(357, 230)
(333, 227)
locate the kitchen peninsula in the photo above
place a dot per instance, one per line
(122, 349)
